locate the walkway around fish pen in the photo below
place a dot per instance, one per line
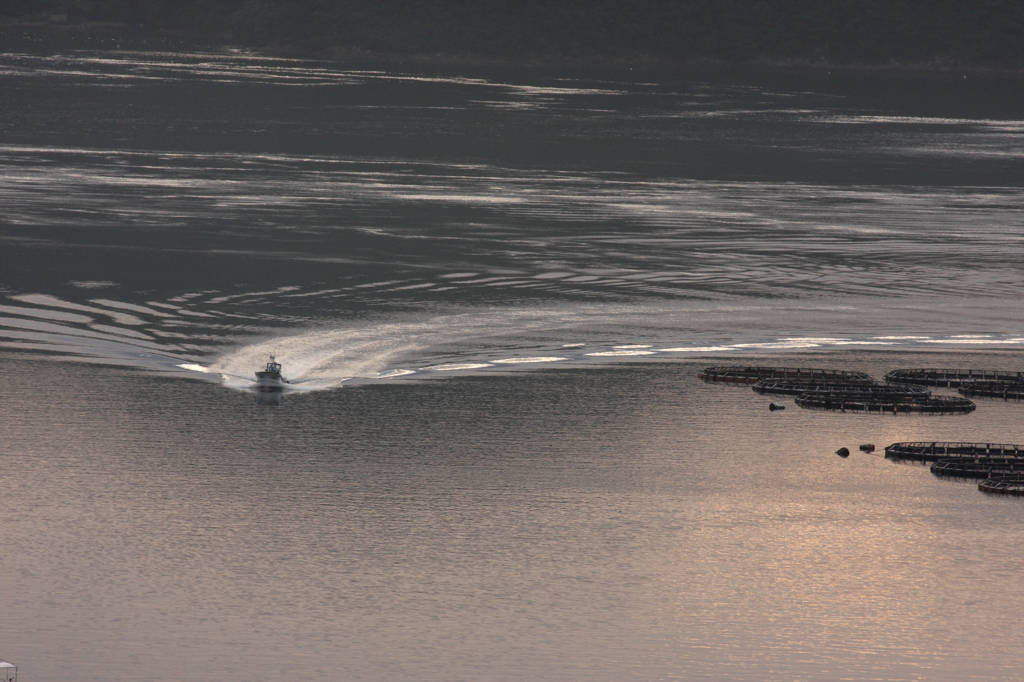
(1003, 485)
(857, 402)
(977, 467)
(1007, 390)
(930, 452)
(736, 374)
(950, 378)
(790, 387)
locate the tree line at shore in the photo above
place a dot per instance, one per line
(938, 32)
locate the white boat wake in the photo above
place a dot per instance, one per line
(490, 340)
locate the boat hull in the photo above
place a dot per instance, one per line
(268, 382)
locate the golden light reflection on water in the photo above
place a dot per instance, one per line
(793, 561)
(623, 523)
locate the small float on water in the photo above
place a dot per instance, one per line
(270, 379)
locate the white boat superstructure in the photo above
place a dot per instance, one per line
(270, 379)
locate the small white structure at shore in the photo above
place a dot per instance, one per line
(9, 672)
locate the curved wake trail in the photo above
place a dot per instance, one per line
(503, 339)
(187, 335)
(328, 357)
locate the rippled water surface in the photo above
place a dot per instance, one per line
(492, 289)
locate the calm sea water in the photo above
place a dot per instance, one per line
(493, 289)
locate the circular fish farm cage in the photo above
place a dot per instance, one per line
(930, 452)
(977, 467)
(735, 374)
(788, 387)
(1012, 484)
(950, 378)
(1007, 390)
(865, 402)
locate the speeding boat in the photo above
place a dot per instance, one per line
(270, 378)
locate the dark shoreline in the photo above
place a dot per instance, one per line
(934, 67)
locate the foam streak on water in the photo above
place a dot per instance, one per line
(469, 339)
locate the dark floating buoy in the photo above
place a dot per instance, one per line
(774, 407)
(843, 452)
(867, 447)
